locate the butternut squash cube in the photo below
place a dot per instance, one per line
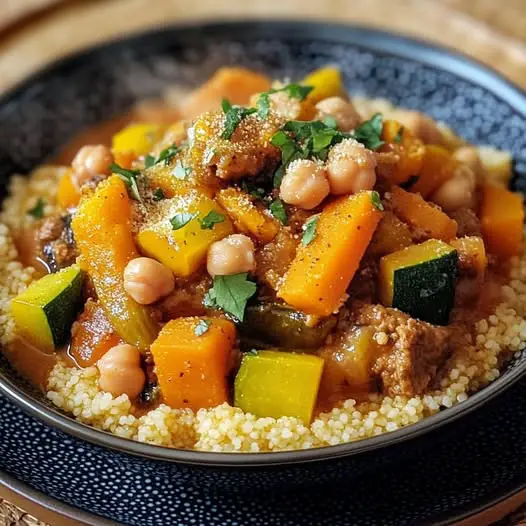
(138, 138)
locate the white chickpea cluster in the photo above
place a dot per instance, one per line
(470, 156)
(421, 125)
(345, 114)
(457, 192)
(121, 372)
(91, 160)
(232, 255)
(147, 281)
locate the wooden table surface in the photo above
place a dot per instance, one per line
(36, 32)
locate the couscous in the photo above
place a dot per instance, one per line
(267, 266)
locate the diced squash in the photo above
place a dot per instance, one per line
(138, 138)
(161, 176)
(233, 83)
(416, 211)
(183, 250)
(391, 235)
(409, 148)
(472, 249)
(437, 167)
(103, 232)
(322, 270)
(192, 368)
(420, 280)
(46, 310)
(502, 220)
(247, 217)
(92, 335)
(125, 159)
(276, 384)
(327, 82)
(68, 195)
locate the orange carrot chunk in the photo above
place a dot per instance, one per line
(502, 218)
(191, 358)
(322, 270)
(68, 195)
(414, 210)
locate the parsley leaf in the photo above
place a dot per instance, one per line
(233, 116)
(129, 177)
(180, 220)
(38, 210)
(369, 132)
(149, 161)
(158, 195)
(166, 155)
(231, 293)
(250, 188)
(330, 122)
(294, 91)
(202, 327)
(211, 219)
(180, 171)
(278, 211)
(309, 230)
(399, 135)
(377, 202)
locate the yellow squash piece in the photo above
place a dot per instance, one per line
(390, 235)
(103, 232)
(274, 383)
(327, 82)
(246, 215)
(45, 311)
(472, 248)
(183, 250)
(138, 138)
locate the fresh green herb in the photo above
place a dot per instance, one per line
(38, 210)
(233, 116)
(130, 178)
(277, 209)
(149, 161)
(252, 352)
(180, 220)
(158, 195)
(251, 189)
(294, 91)
(369, 132)
(166, 155)
(309, 230)
(377, 202)
(231, 293)
(180, 171)
(330, 122)
(207, 159)
(211, 219)
(410, 182)
(399, 135)
(202, 327)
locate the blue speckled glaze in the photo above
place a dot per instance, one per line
(443, 468)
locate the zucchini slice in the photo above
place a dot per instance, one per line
(420, 280)
(46, 310)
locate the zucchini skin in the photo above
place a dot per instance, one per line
(426, 291)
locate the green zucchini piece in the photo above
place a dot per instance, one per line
(46, 310)
(420, 280)
(284, 327)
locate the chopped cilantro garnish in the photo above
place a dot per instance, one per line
(251, 189)
(211, 219)
(377, 202)
(158, 195)
(166, 155)
(399, 135)
(294, 91)
(180, 171)
(180, 220)
(233, 116)
(202, 327)
(231, 293)
(129, 177)
(309, 230)
(369, 132)
(277, 209)
(38, 210)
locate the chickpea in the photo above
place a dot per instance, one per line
(305, 184)
(343, 111)
(457, 192)
(120, 371)
(147, 280)
(231, 255)
(351, 168)
(470, 156)
(285, 106)
(421, 125)
(90, 161)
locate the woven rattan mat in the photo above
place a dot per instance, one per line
(34, 32)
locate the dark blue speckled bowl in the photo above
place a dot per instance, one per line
(124, 480)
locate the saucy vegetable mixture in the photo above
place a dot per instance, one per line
(268, 246)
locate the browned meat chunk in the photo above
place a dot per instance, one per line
(56, 241)
(467, 221)
(417, 352)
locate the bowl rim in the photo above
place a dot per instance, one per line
(388, 43)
